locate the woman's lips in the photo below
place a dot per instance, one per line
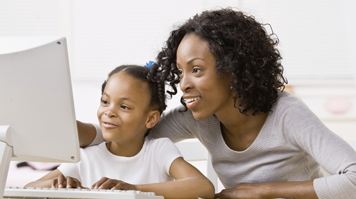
(191, 102)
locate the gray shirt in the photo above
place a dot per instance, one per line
(291, 145)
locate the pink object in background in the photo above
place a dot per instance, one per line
(338, 105)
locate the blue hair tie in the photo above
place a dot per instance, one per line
(149, 64)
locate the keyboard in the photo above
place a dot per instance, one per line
(20, 192)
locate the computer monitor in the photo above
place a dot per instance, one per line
(37, 118)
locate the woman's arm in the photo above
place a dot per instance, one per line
(303, 190)
(86, 132)
(55, 179)
(329, 150)
(176, 125)
(188, 183)
(305, 132)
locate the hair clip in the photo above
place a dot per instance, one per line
(149, 64)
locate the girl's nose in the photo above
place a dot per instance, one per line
(110, 113)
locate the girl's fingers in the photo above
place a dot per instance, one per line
(99, 183)
(109, 183)
(61, 181)
(70, 183)
(77, 183)
(54, 183)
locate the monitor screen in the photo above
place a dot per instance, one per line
(37, 118)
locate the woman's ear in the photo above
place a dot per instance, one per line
(152, 119)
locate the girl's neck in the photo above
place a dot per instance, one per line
(125, 149)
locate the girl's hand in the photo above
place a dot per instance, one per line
(243, 190)
(65, 182)
(107, 183)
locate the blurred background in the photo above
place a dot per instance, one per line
(317, 42)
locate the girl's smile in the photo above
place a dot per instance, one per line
(108, 125)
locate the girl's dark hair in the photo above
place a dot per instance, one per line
(242, 48)
(158, 98)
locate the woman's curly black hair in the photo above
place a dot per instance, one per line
(241, 47)
(158, 98)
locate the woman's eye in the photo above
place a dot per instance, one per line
(180, 72)
(104, 102)
(195, 70)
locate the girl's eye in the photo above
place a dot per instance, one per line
(104, 102)
(125, 107)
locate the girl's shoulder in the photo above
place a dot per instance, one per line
(160, 145)
(94, 149)
(154, 142)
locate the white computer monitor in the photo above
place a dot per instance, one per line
(37, 118)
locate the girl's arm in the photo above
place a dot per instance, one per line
(188, 183)
(55, 179)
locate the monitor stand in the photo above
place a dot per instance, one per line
(5, 156)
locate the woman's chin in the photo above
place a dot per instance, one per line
(200, 116)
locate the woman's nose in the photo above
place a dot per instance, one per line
(185, 83)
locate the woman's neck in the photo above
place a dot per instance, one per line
(126, 149)
(240, 130)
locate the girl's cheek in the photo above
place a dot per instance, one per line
(100, 112)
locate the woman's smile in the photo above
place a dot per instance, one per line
(191, 102)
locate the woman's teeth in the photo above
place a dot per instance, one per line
(191, 99)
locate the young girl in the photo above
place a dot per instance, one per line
(130, 106)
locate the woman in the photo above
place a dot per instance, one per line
(264, 142)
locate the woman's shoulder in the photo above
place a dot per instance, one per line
(292, 110)
(177, 113)
(289, 108)
(183, 115)
(288, 101)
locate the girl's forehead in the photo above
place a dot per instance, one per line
(124, 84)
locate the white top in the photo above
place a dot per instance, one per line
(150, 165)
